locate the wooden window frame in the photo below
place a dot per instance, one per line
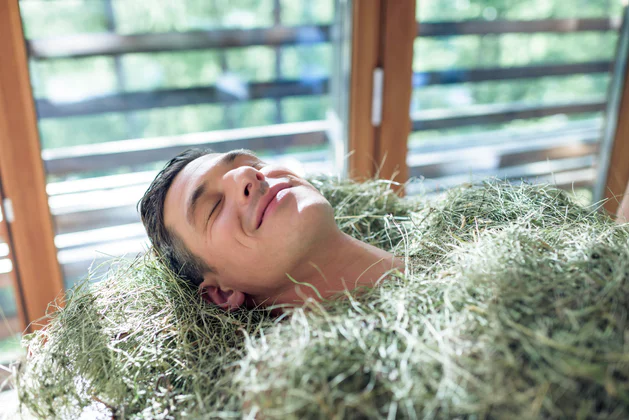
(23, 175)
(614, 162)
(383, 35)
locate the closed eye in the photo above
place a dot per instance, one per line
(212, 212)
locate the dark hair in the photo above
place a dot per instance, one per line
(166, 243)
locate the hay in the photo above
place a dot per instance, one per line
(514, 306)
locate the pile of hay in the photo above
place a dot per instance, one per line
(514, 305)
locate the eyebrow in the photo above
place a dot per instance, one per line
(198, 192)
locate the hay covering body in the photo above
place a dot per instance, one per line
(514, 305)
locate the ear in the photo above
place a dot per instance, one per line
(228, 300)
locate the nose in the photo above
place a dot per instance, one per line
(248, 180)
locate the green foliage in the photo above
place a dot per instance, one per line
(170, 70)
(452, 135)
(516, 10)
(44, 18)
(510, 50)
(73, 79)
(304, 108)
(541, 90)
(307, 61)
(306, 12)
(10, 350)
(186, 15)
(252, 64)
(253, 113)
(179, 120)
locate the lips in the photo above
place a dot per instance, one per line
(266, 199)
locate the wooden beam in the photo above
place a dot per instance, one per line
(93, 157)
(397, 61)
(497, 27)
(365, 58)
(433, 119)
(167, 98)
(96, 44)
(618, 173)
(22, 172)
(617, 178)
(492, 74)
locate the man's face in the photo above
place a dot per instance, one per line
(250, 221)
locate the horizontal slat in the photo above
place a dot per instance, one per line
(578, 130)
(99, 183)
(83, 45)
(484, 27)
(135, 101)
(500, 149)
(455, 76)
(523, 170)
(497, 113)
(100, 236)
(6, 265)
(4, 248)
(97, 199)
(102, 156)
(94, 219)
(562, 156)
(577, 178)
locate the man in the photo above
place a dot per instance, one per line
(248, 233)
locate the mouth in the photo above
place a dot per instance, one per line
(266, 200)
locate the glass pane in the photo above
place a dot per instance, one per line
(10, 325)
(514, 90)
(115, 78)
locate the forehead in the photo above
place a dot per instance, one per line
(196, 168)
(183, 184)
(202, 165)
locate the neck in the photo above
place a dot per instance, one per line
(344, 263)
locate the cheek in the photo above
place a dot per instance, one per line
(227, 239)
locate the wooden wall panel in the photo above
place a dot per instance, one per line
(22, 172)
(366, 36)
(618, 172)
(382, 37)
(400, 31)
